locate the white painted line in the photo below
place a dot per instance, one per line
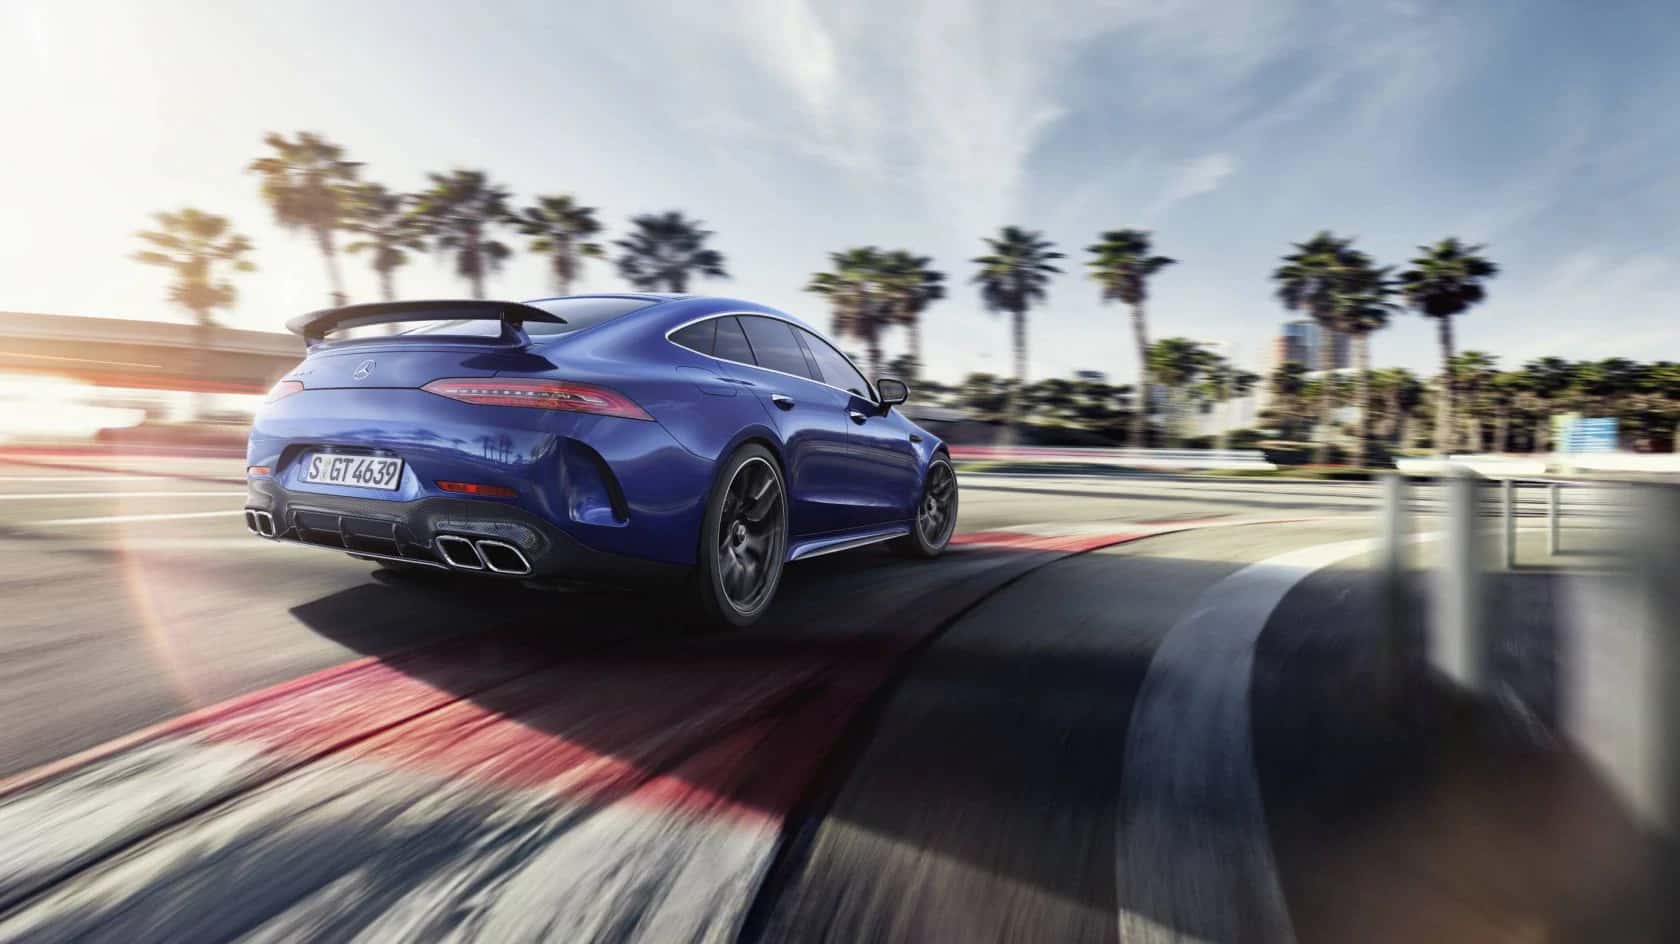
(118, 519)
(1194, 856)
(61, 496)
(108, 477)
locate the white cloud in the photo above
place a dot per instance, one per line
(1205, 174)
(791, 40)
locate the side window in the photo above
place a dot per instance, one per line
(836, 370)
(776, 346)
(697, 337)
(731, 344)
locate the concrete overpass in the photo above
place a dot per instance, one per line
(115, 352)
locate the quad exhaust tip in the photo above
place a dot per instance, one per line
(503, 558)
(498, 557)
(459, 553)
(259, 522)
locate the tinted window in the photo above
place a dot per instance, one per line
(731, 344)
(698, 336)
(777, 348)
(579, 313)
(836, 370)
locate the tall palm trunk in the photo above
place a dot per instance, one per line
(335, 278)
(562, 268)
(1502, 430)
(1326, 396)
(197, 402)
(1444, 430)
(916, 347)
(873, 349)
(388, 284)
(1140, 415)
(475, 268)
(1018, 338)
(1362, 360)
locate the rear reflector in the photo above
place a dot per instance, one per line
(257, 471)
(474, 488)
(283, 389)
(538, 394)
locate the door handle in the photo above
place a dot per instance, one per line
(782, 400)
(857, 417)
(915, 439)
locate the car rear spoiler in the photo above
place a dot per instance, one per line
(316, 325)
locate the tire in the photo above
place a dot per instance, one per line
(743, 540)
(936, 515)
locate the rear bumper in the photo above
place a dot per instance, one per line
(408, 531)
(624, 488)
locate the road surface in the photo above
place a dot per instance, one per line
(1044, 735)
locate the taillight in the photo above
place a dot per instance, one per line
(283, 389)
(257, 471)
(476, 488)
(539, 394)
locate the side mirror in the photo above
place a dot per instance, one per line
(893, 392)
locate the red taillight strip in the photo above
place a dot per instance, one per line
(538, 394)
(475, 488)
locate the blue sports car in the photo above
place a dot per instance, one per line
(595, 438)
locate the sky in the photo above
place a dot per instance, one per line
(1230, 128)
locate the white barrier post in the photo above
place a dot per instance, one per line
(1658, 565)
(1508, 499)
(1392, 596)
(1455, 646)
(1554, 503)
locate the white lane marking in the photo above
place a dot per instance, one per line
(118, 519)
(1194, 857)
(108, 477)
(61, 496)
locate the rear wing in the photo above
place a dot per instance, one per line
(316, 325)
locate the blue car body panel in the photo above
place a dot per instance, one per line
(630, 488)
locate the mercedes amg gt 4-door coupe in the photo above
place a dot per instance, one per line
(594, 438)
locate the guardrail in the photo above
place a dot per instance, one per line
(1124, 458)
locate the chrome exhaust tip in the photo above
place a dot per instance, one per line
(458, 552)
(251, 522)
(259, 522)
(503, 558)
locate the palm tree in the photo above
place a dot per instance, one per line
(1013, 277)
(1400, 392)
(1472, 374)
(304, 181)
(1547, 380)
(386, 229)
(1174, 363)
(856, 298)
(663, 250)
(908, 286)
(1445, 280)
(1222, 382)
(1315, 279)
(1363, 308)
(562, 229)
(458, 212)
(1286, 389)
(1122, 265)
(195, 246)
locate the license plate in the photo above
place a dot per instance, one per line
(324, 468)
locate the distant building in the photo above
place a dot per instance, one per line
(1300, 341)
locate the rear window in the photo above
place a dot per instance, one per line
(579, 313)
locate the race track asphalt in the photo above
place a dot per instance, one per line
(214, 737)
